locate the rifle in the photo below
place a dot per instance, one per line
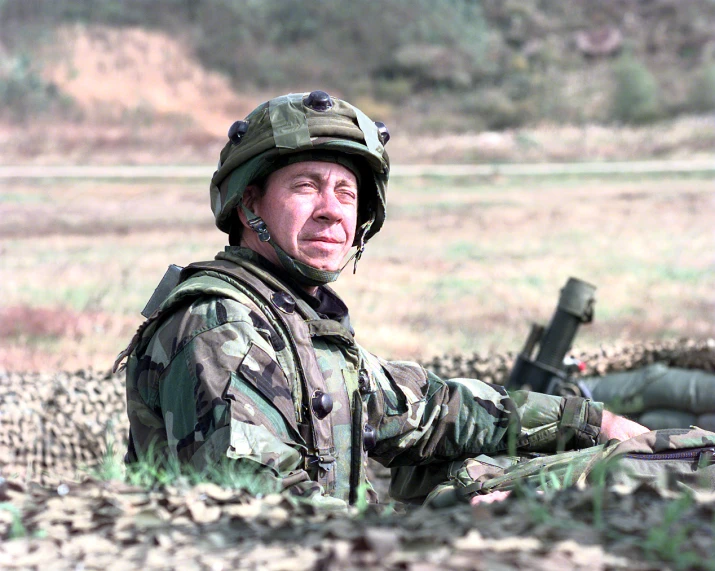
(548, 373)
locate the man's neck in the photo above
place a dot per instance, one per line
(273, 259)
(322, 299)
(310, 290)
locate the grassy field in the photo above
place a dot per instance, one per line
(462, 265)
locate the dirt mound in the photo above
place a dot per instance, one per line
(116, 73)
(136, 96)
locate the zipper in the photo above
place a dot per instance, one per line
(704, 455)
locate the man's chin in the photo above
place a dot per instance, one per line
(321, 264)
(327, 258)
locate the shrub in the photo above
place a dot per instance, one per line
(702, 91)
(431, 66)
(395, 90)
(23, 92)
(496, 109)
(635, 96)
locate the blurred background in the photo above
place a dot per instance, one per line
(466, 260)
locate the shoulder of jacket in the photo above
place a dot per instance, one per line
(207, 320)
(195, 306)
(201, 285)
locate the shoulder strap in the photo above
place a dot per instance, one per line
(181, 294)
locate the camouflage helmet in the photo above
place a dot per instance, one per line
(298, 123)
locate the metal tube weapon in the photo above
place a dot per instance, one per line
(547, 373)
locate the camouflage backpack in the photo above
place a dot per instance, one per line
(668, 460)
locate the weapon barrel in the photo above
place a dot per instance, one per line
(574, 308)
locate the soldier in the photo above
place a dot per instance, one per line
(251, 362)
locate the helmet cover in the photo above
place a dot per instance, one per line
(293, 124)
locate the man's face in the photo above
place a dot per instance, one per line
(310, 209)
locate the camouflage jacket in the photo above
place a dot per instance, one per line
(235, 367)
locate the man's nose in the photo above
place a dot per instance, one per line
(329, 207)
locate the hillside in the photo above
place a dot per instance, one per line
(129, 95)
(455, 80)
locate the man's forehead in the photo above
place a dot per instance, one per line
(316, 169)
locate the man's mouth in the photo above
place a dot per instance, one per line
(326, 239)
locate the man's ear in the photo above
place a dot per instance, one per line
(250, 201)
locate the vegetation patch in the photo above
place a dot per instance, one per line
(436, 67)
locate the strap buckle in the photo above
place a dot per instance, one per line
(326, 462)
(259, 226)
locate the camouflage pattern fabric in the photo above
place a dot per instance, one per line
(668, 460)
(212, 380)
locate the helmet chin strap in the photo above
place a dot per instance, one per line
(302, 273)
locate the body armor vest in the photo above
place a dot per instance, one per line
(321, 362)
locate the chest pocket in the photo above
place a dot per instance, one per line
(331, 331)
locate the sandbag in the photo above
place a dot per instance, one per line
(655, 387)
(668, 460)
(661, 418)
(706, 421)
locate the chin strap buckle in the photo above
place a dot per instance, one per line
(358, 255)
(259, 226)
(361, 247)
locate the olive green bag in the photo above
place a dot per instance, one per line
(657, 396)
(669, 459)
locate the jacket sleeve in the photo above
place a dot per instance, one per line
(208, 394)
(427, 427)
(422, 419)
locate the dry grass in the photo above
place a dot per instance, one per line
(156, 138)
(682, 138)
(462, 265)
